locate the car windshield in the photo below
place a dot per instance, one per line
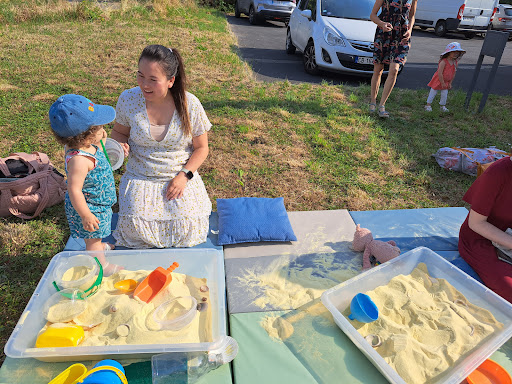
(508, 11)
(348, 9)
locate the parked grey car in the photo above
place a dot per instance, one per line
(503, 19)
(258, 10)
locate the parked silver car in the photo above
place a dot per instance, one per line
(503, 19)
(258, 10)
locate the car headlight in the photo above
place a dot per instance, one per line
(332, 38)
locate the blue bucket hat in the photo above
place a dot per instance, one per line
(72, 115)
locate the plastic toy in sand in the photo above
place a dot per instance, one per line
(126, 286)
(156, 282)
(363, 309)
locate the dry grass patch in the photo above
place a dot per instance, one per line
(50, 97)
(14, 237)
(359, 200)
(8, 87)
(368, 176)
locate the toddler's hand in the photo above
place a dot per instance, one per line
(90, 223)
(176, 186)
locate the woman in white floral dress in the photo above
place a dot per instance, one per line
(162, 199)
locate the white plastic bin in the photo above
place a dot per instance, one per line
(200, 263)
(338, 298)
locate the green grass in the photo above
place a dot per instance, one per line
(315, 145)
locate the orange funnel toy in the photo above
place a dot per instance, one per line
(156, 282)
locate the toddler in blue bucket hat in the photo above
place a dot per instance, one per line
(77, 123)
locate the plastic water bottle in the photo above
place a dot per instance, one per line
(189, 367)
(183, 367)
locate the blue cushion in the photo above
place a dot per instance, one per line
(253, 219)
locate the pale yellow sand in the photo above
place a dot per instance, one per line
(425, 325)
(102, 325)
(283, 286)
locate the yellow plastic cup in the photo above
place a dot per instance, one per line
(70, 375)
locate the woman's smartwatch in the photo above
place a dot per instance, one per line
(188, 173)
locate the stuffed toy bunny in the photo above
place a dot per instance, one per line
(382, 251)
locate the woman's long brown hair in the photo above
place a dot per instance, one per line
(172, 64)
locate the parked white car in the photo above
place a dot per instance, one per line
(259, 10)
(334, 35)
(503, 19)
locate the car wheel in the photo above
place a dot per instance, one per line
(440, 29)
(290, 48)
(309, 60)
(252, 16)
(237, 10)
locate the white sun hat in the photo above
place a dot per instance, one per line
(453, 47)
(115, 153)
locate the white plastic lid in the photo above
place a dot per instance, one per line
(115, 153)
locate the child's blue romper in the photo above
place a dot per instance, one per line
(99, 190)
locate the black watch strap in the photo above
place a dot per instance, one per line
(188, 173)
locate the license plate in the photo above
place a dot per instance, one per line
(364, 60)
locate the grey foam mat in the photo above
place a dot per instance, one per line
(283, 276)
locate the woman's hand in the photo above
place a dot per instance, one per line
(176, 186)
(406, 36)
(121, 133)
(126, 149)
(386, 27)
(90, 222)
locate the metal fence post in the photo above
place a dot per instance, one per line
(494, 45)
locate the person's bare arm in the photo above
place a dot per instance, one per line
(385, 26)
(440, 71)
(177, 185)
(121, 134)
(480, 225)
(78, 167)
(200, 153)
(412, 19)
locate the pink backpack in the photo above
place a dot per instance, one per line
(31, 183)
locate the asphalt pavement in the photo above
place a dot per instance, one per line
(263, 47)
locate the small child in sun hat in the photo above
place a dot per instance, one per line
(78, 123)
(442, 79)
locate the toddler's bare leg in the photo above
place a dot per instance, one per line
(97, 245)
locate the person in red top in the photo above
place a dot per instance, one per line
(442, 79)
(489, 217)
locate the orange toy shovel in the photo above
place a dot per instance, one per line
(154, 283)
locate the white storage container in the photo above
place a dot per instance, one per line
(338, 298)
(200, 263)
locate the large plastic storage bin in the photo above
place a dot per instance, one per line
(201, 263)
(338, 298)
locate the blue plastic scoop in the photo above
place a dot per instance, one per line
(363, 309)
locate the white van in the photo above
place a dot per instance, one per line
(467, 16)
